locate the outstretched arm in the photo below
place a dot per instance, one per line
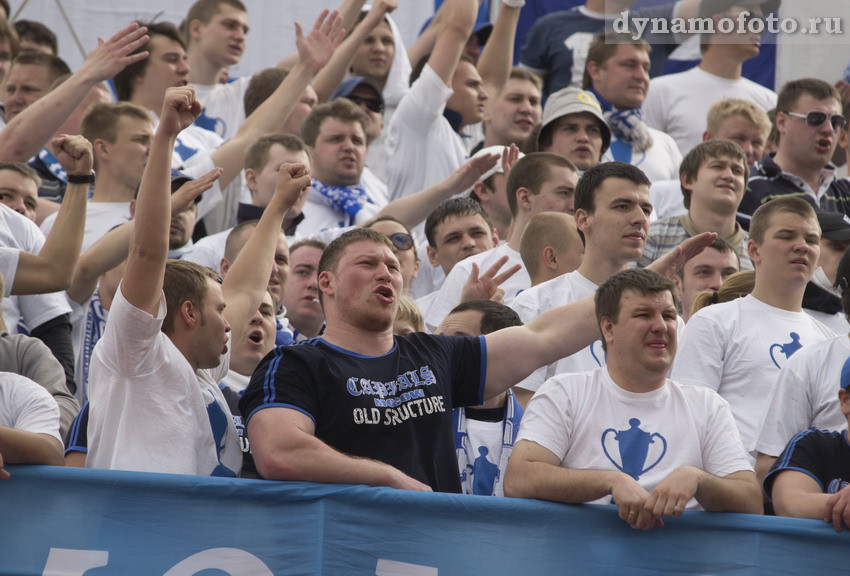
(314, 50)
(332, 75)
(28, 132)
(514, 353)
(52, 268)
(247, 278)
(285, 447)
(143, 278)
(412, 210)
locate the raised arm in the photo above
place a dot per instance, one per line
(28, 132)
(248, 277)
(52, 268)
(112, 249)
(314, 50)
(285, 447)
(454, 31)
(497, 58)
(334, 72)
(145, 272)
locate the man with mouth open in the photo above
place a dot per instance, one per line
(155, 403)
(740, 347)
(810, 125)
(362, 406)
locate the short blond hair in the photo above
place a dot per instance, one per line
(409, 312)
(723, 109)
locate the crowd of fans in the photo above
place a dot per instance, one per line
(574, 279)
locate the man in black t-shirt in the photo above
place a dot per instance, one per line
(810, 477)
(361, 406)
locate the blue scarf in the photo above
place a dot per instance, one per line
(53, 165)
(346, 199)
(627, 125)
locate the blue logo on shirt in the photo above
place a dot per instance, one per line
(633, 446)
(786, 349)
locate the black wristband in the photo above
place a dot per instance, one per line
(78, 179)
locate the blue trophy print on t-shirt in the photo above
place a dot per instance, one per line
(634, 447)
(598, 353)
(786, 349)
(211, 123)
(183, 150)
(484, 473)
(218, 425)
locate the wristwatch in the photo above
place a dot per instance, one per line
(81, 179)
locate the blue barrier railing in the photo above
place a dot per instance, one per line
(70, 522)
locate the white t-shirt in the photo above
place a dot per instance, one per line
(531, 303)
(449, 294)
(150, 411)
(101, 217)
(421, 145)
(738, 349)
(24, 405)
(805, 395)
(17, 231)
(667, 199)
(429, 278)
(224, 106)
(659, 162)
(8, 267)
(590, 423)
(208, 251)
(678, 103)
(319, 216)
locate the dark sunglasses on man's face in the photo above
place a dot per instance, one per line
(401, 240)
(374, 105)
(815, 118)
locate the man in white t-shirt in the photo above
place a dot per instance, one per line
(539, 182)
(155, 403)
(625, 433)
(612, 216)
(740, 348)
(617, 72)
(678, 103)
(423, 141)
(120, 133)
(344, 192)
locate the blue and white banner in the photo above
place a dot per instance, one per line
(70, 522)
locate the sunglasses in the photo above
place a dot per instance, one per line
(401, 240)
(373, 105)
(816, 118)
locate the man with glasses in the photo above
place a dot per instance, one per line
(367, 96)
(809, 124)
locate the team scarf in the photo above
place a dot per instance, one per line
(346, 199)
(466, 453)
(627, 125)
(52, 163)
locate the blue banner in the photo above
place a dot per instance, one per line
(71, 522)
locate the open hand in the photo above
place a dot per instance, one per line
(115, 54)
(315, 49)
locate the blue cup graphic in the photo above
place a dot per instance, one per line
(633, 445)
